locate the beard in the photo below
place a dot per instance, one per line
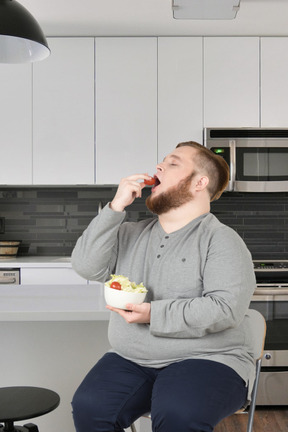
(173, 198)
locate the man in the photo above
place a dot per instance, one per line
(184, 354)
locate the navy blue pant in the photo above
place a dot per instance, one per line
(189, 396)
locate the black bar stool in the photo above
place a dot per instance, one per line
(22, 403)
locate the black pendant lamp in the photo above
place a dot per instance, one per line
(21, 37)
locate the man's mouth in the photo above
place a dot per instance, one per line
(157, 182)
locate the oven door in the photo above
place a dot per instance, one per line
(273, 383)
(261, 167)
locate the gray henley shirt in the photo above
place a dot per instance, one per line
(200, 280)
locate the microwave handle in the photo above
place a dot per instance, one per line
(232, 146)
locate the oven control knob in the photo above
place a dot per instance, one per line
(267, 356)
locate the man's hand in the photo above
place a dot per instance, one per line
(129, 188)
(134, 313)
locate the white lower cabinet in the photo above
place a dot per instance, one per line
(50, 276)
(63, 113)
(16, 123)
(126, 107)
(231, 82)
(180, 98)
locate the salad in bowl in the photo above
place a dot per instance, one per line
(119, 291)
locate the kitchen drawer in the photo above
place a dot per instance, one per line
(48, 276)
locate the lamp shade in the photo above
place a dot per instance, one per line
(21, 37)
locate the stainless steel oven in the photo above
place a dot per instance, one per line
(271, 299)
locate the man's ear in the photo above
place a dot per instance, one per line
(202, 183)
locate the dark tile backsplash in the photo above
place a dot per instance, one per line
(261, 219)
(49, 220)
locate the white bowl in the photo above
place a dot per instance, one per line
(119, 299)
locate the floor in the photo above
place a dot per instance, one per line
(265, 420)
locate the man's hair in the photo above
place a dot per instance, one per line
(214, 166)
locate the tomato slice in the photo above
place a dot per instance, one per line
(150, 181)
(115, 285)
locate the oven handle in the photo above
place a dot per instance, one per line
(272, 285)
(270, 294)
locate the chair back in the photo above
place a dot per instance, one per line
(258, 329)
(258, 333)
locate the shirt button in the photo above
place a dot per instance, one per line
(161, 246)
(158, 256)
(166, 237)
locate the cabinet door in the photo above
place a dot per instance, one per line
(231, 81)
(126, 107)
(16, 123)
(63, 113)
(50, 276)
(274, 89)
(179, 92)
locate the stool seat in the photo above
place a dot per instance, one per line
(21, 403)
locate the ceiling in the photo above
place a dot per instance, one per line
(152, 18)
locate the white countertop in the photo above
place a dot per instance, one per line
(53, 303)
(35, 261)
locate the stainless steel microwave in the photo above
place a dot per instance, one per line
(257, 158)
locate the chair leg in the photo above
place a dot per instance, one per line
(250, 418)
(253, 398)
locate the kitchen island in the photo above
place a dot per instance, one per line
(51, 336)
(53, 303)
(36, 261)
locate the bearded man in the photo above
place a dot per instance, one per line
(185, 353)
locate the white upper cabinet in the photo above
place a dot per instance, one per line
(63, 113)
(16, 123)
(231, 81)
(180, 99)
(126, 107)
(99, 109)
(274, 79)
